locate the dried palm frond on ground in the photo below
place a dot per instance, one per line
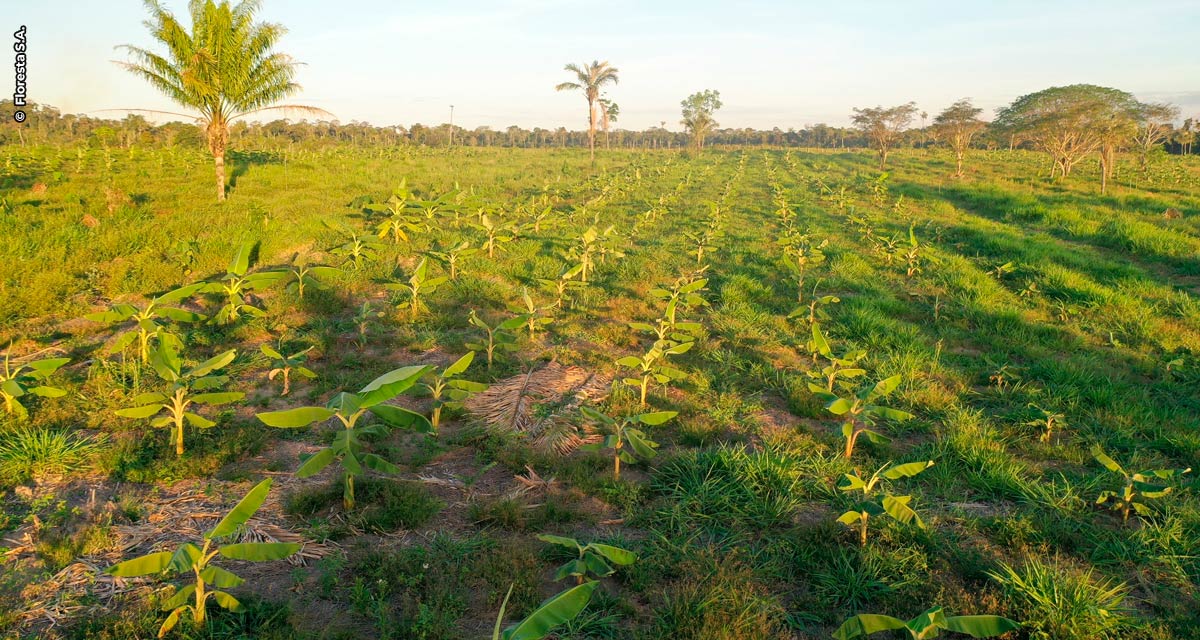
(537, 404)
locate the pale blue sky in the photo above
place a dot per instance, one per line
(784, 64)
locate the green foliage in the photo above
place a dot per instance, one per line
(840, 368)
(1136, 487)
(150, 322)
(897, 507)
(175, 402)
(448, 390)
(652, 366)
(1060, 604)
(533, 317)
(418, 284)
(592, 558)
(927, 625)
(627, 442)
(283, 366)
(208, 579)
(237, 284)
(349, 408)
(555, 611)
(452, 256)
(19, 381)
(499, 337)
(860, 412)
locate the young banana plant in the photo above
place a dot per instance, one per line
(284, 366)
(452, 256)
(565, 282)
(590, 559)
(302, 276)
(860, 412)
(583, 252)
(627, 442)
(555, 610)
(419, 284)
(151, 321)
(839, 369)
(1047, 422)
(397, 223)
(684, 295)
(870, 505)
(927, 625)
(802, 253)
(237, 283)
(447, 390)
(208, 579)
(349, 408)
(533, 317)
(499, 337)
(1136, 488)
(18, 381)
(496, 233)
(357, 249)
(652, 366)
(174, 404)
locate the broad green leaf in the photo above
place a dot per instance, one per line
(314, 463)
(851, 482)
(147, 398)
(551, 613)
(1108, 462)
(596, 415)
(241, 259)
(171, 621)
(185, 557)
(897, 507)
(390, 384)
(179, 315)
(980, 626)
(617, 555)
(376, 463)
(181, 293)
(865, 624)
(146, 565)
(260, 551)
(139, 412)
(839, 406)
(212, 364)
(459, 366)
(48, 392)
(198, 421)
(819, 341)
(220, 578)
(883, 387)
(656, 418)
(218, 398)
(180, 598)
(851, 518)
(630, 361)
(270, 353)
(402, 418)
(244, 510)
(569, 543)
(906, 470)
(298, 417)
(227, 601)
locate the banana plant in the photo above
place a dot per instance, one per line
(419, 284)
(447, 390)
(1047, 422)
(27, 379)
(565, 282)
(349, 408)
(1137, 487)
(533, 317)
(495, 233)
(590, 559)
(664, 331)
(451, 256)
(357, 249)
(802, 253)
(432, 207)
(283, 366)
(860, 412)
(151, 321)
(499, 337)
(396, 224)
(301, 276)
(839, 369)
(208, 579)
(870, 505)
(652, 366)
(174, 404)
(627, 442)
(583, 252)
(684, 294)
(704, 242)
(555, 610)
(912, 257)
(237, 283)
(929, 624)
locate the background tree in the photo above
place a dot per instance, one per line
(590, 78)
(698, 110)
(1071, 122)
(224, 69)
(882, 127)
(956, 126)
(1153, 128)
(609, 111)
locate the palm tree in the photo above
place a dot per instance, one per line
(590, 78)
(224, 69)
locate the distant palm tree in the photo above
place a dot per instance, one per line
(590, 78)
(224, 69)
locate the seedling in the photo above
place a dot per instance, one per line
(860, 413)
(451, 256)
(26, 379)
(558, 609)
(418, 284)
(999, 271)
(303, 276)
(627, 442)
(591, 558)
(357, 250)
(839, 369)
(1137, 488)
(683, 295)
(495, 233)
(912, 257)
(563, 283)
(652, 366)
(929, 624)
(174, 404)
(149, 322)
(237, 283)
(208, 579)
(894, 506)
(802, 253)
(533, 317)
(447, 390)
(1047, 422)
(283, 366)
(349, 408)
(498, 339)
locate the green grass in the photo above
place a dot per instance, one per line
(734, 520)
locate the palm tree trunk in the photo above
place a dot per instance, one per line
(218, 137)
(592, 129)
(220, 162)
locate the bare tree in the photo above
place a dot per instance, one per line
(883, 126)
(1153, 128)
(956, 126)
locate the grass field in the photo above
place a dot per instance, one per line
(1015, 301)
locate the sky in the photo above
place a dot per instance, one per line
(777, 64)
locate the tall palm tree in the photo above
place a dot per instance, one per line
(590, 78)
(224, 69)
